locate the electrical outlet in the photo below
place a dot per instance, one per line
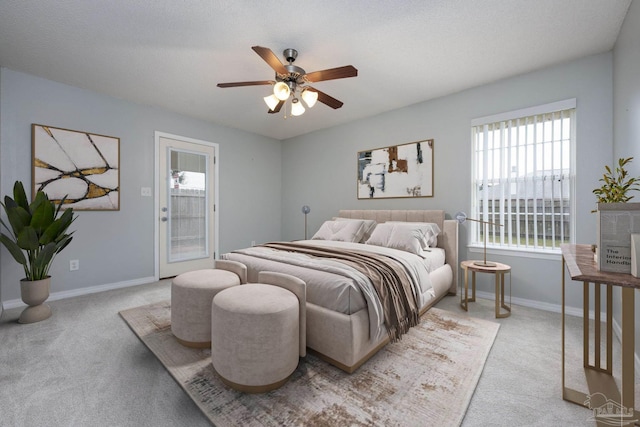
(145, 191)
(253, 243)
(74, 265)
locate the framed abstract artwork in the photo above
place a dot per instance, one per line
(398, 171)
(83, 166)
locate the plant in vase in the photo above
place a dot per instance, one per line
(612, 198)
(616, 184)
(36, 233)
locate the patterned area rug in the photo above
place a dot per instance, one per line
(426, 379)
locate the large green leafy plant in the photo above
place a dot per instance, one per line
(36, 231)
(617, 184)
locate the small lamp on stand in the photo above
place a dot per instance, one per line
(305, 210)
(461, 217)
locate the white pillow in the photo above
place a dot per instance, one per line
(369, 225)
(402, 236)
(432, 231)
(344, 231)
(381, 235)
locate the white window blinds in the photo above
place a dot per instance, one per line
(522, 177)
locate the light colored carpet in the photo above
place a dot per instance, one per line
(427, 378)
(521, 384)
(84, 367)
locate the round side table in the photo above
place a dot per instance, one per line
(496, 268)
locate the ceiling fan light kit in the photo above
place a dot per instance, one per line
(310, 97)
(297, 109)
(281, 91)
(292, 82)
(271, 101)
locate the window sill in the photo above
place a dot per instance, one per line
(550, 254)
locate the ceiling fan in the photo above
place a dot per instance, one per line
(292, 81)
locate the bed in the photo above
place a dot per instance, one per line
(345, 322)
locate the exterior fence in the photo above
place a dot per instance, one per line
(530, 218)
(188, 222)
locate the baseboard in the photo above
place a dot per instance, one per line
(83, 291)
(544, 306)
(557, 308)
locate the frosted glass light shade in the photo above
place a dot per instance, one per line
(281, 91)
(310, 97)
(297, 109)
(271, 101)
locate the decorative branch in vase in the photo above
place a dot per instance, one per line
(616, 184)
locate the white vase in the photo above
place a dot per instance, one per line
(34, 294)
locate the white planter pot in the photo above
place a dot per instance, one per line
(34, 294)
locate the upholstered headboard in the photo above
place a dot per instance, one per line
(447, 240)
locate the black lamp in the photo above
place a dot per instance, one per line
(305, 210)
(461, 217)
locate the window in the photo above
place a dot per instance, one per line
(522, 178)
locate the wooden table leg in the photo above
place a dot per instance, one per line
(600, 380)
(563, 332)
(473, 287)
(585, 324)
(500, 296)
(464, 296)
(628, 348)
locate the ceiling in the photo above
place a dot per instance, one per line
(171, 54)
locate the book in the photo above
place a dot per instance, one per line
(616, 223)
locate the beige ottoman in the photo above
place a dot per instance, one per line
(255, 331)
(191, 296)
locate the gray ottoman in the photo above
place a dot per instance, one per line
(191, 296)
(255, 334)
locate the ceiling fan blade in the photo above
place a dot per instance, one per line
(237, 84)
(327, 100)
(277, 109)
(270, 58)
(332, 73)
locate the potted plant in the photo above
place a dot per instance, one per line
(36, 233)
(616, 217)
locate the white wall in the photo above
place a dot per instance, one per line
(118, 247)
(626, 110)
(319, 169)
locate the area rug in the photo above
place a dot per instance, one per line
(425, 379)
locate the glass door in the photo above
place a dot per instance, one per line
(186, 206)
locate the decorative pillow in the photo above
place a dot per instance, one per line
(369, 225)
(344, 231)
(402, 236)
(432, 231)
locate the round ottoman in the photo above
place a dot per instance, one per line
(255, 336)
(191, 296)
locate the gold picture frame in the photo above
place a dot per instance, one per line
(397, 171)
(83, 166)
